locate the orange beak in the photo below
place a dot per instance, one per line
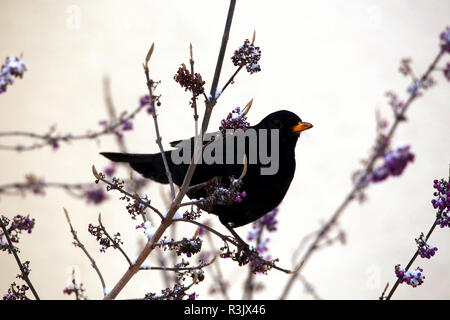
(301, 126)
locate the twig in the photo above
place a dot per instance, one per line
(23, 270)
(208, 228)
(231, 78)
(83, 248)
(115, 244)
(200, 266)
(223, 47)
(237, 243)
(111, 109)
(121, 190)
(384, 291)
(155, 121)
(389, 296)
(21, 186)
(194, 98)
(51, 140)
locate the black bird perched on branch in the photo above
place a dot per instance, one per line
(221, 187)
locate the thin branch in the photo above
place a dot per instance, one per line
(155, 122)
(115, 244)
(223, 47)
(384, 291)
(416, 254)
(194, 98)
(231, 78)
(50, 140)
(111, 109)
(83, 248)
(121, 190)
(23, 270)
(198, 267)
(237, 243)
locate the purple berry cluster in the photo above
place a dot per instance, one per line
(394, 164)
(445, 39)
(191, 82)
(95, 195)
(178, 292)
(441, 202)
(222, 195)
(239, 198)
(13, 67)
(19, 224)
(247, 55)
(135, 207)
(269, 221)
(16, 292)
(144, 101)
(185, 246)
(235, 120)
(189, 246)
(225, 196)
(110, 170)
(258, 266)
(99, 233)
(414, 278)
(22, 223)
(126, 125)
(445, 45)
(425, 250)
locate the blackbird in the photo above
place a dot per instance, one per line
(261, 193)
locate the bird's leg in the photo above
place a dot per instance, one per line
(243, 248)
(235, 235)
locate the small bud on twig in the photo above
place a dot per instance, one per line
(94, 171)
(149, 54)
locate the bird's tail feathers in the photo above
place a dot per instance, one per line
(149, 165)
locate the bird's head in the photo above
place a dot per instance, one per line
(289, 124)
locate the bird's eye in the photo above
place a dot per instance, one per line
(278, 124)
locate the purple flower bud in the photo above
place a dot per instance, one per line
(445, 39)
(144, 100)
(95, 196)
(109, 171)
(13, 67)
(127, 126)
